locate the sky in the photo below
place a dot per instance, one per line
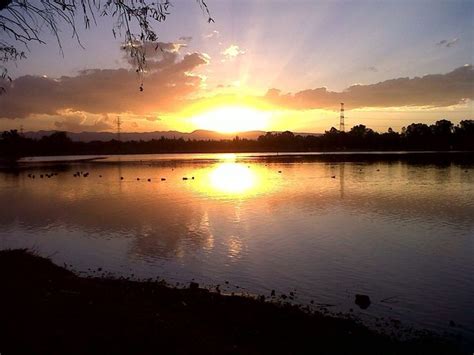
(262, 65)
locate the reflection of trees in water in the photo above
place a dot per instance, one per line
(341, 179)
(160, 219)
(168, 220)
(397, 191)
(181, 231)
(99, 208)
(205, 230)
(119, 171)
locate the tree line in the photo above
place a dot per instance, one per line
(442, 135)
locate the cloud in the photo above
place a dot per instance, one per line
(434, 90)
(372, 69)
(172, 82)
(448, 43)
(152, 118)
(79, 122)
(213, 34)
(185, 38)
(168, 82)
(232, 51)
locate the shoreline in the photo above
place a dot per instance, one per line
(49, 309)
(428, 157)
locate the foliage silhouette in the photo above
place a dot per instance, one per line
(441, 136)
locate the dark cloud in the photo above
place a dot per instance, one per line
(372, 69)
(167, 83)
(170, 85)
(152, 118)
(186, 38)
(448, 43)
(78, 122)
(434, 90)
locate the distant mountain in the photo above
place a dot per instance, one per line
(146, 136)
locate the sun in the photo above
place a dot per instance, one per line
(232, 119)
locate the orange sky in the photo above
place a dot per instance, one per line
(270, 70)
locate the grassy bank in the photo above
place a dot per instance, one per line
(48, 309)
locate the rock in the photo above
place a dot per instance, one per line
(193, 285)
(363, 301)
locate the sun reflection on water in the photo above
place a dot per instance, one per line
(234, 179)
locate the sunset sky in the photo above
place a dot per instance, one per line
(266, 65)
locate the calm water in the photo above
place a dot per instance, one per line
(329, 230)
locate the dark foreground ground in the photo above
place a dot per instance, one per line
(47, 309)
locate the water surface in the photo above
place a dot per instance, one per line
(402, 233)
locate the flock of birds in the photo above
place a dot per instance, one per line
(49, 176)
(86, 174)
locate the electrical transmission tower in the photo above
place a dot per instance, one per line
(341, 118)
(119, 124)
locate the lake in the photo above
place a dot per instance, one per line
(400, 231)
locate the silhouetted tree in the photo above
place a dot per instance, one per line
(442, 128)
(360, 130)
(12, 144)
(56, 142)
(416, 136)
(443, 133)
(464, 135)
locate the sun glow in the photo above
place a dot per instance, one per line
(232, 119)
(232, 178)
